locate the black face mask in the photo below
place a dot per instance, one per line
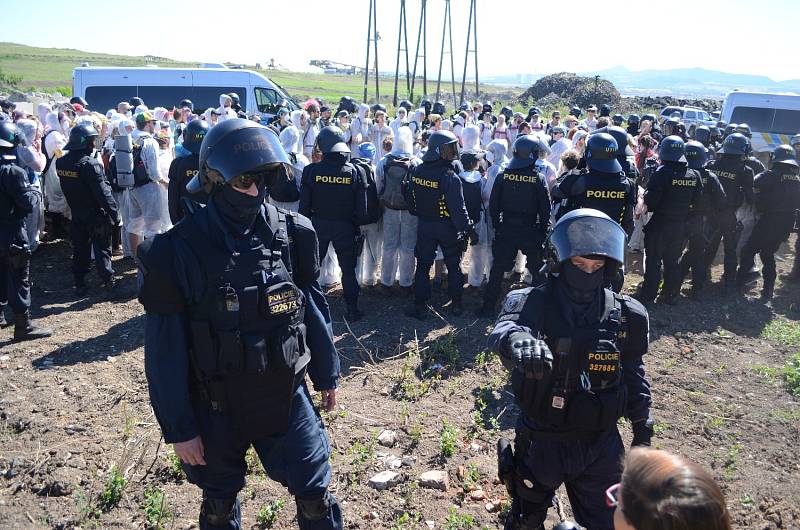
(582, 286)
(239, 209)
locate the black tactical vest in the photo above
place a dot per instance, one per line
(472, 199)
(426, 188)
(680, 187)
(333, 191)
(519, 195)
(585, 392)
(605, 192)
(730, 173)
(247, 345)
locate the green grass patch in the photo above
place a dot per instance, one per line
(785, 332)
(791, 374)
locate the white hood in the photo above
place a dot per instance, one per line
(447, 125)
(42, 109)
(123, 126)
(403, 142)
(498, 150)
(290, 139)
(297, 117)
(223, 98)
(28, 129)
(470, 176)
(471, 137)
(362, 110)
(51, 121)
(419, 115)
(402, 115)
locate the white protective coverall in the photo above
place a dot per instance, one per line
(54, 141)
(290, 140)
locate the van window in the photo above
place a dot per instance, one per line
(163, 96)
(267, 100)
(778, 121)
(102, 98)
(689, 115)
(204, 97)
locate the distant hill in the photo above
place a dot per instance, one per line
(686, 82)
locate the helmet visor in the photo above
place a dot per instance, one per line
(588, 235)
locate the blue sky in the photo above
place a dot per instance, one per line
(514, 36)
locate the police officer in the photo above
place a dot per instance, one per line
(737, 181)
(17, 201)
(633, 124)
(777, 196)
(183, 169)
(711, 199)
(575, 351)
(434, 195)
(671, 193)
(519, 207)
(94, 210)
(333, 195)
(235, 318)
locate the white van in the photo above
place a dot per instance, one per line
(773, 118)
(105, 87)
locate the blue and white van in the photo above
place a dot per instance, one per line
(105, 87)
(773, 118)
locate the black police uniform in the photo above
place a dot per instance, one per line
(17, 201)
(712, 199)
(520, 211)
(333, 195)
(233, 324)
(94, 213)
(435, 196)
(614, 194)
(671, 194)
(777, 196)
(567, 431)
(737, 181)
(181, 171)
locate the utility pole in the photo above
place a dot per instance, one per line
(596, 80)
(372, 35)
(421, 36)
(472, 31)
(447, 28)
(402, 39)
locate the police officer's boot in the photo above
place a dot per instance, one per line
(25, 330)
(113, 290)
(3, 322)
(456, 307)
(418, 311)
(353, 314)
(81, 289)
(766, 293)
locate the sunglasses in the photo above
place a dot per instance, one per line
(246, 180)
(612, 501)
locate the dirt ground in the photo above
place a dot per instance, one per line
(74, 407)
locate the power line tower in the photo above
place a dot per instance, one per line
(447, 27)
(372, 35)
(472, 31)
(402, 46)
(421, 35)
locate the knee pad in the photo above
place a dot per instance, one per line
(218, 512)
(315, 509)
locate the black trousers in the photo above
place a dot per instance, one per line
(663, 244)
(507, 241)
(15, 284)
(727, 230)
(770, 231)
(694, 259)
(342, 235)
(88, 237)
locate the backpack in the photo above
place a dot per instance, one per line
(50, 158)
(395, 172)
(140, 177)
(647, 170)
(285, 190)
(373, 211)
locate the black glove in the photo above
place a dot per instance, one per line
(642, 432)
(532, 356)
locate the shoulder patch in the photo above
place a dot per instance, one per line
(515, 300)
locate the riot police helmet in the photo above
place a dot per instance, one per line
(671, 125)
(237, 147)
(605, 110)
(186, 104)
(81, 137)
(193, 135)
(488, 107)
(672, 149)
(702, 134)
(439, 108)
(621, 136)
(576, 111)
(633, 119)
(534, 111)
(406, 104)
(794, 140)
(735, 144)
(79, 100)
(234, 98)
(508, 112)
(10, 136)
(349, 104)
(721, 125)
(525, 151)
(331, 140)
(377, 107)
(696, 154)
(729, 130)
(589, 233)
(601, 153)
(650, 117)
(426, 104)
(784, 154)
(744, 129)
(617, 119)
(442, 145)
(135, 101)
(464, 106)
